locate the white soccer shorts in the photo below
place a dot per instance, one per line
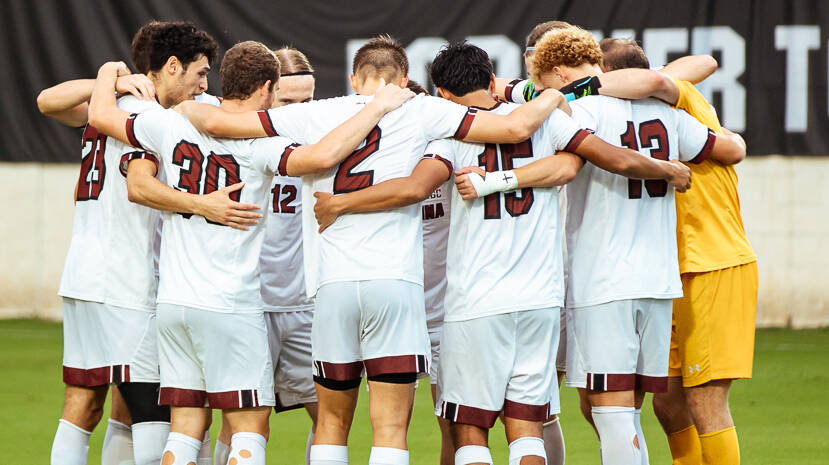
(434, 342)
(105, 344)
(379, 325)
(214, 359)
(499, 362)
(289, 339)
(619, 346)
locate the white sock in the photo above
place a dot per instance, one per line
(643, 447)
(149, 439)
(248, 448)
(616, 434)
(328, 454)
(205, 458)
(554, 442)
(524, 446)
(221, 453)
(71, 444)
(181, 449)
(473, 454)
(117, 448)
(388, 456)
(308, 444)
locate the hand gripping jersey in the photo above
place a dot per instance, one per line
(283, 276)
(366, 246)
(203, 265)
(505, 249)
(110, 257)
(621, 238)
(435, 215)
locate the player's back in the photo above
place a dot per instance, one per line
(378, 245)
(203, 264)
(110, 257)
(621, 232)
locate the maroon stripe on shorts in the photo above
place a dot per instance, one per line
(182, 397)
(526, 412)
(339, 371)
(280, 407)
(655, 384)
(90, 377)
(243, 398)
(468, 415)
(396, 364)
(611, 382)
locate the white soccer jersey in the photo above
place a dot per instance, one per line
(283, 276)
(204, 265)
(505, 249)
(435, 215)
(110, 257)
(621, 233)
(367, 246)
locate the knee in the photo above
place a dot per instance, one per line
(142, 401)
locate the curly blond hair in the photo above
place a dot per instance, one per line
(571, 46)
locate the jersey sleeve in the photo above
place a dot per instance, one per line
(565, 133)
(441, 150)
(270, 156)
(695, 139)
(441, 118)
(691, 100)
(289, 121)
(147, 130)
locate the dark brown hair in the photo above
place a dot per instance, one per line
(382, 56)
(292, 61)
(543, 28)
(622, 53)
(246, 67)
(157, 41)
(415, 87)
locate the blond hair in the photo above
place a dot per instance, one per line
(571, 46)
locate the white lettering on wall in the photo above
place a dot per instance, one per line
(797, 41)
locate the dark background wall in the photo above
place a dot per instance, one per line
(778, 98)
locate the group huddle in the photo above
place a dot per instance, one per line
(265, 250)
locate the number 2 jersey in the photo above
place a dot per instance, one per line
(377, 245)
(504, 252)
(205, 265)
(621, 233)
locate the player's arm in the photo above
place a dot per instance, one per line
(729, 148)
(693, 68)
(635, 83)
(344, 139)
(67, 102)
(519, 125)
(555, 171)
(427, 176)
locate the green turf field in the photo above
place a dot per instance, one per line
(782, 414)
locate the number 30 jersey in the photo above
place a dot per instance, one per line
(505, 249)
(202, 264)
(110, 257)
(366, 246)
(621, 233)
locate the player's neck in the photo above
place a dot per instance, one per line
(479, 98)
(582, 71)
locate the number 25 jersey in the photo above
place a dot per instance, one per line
(621, 233)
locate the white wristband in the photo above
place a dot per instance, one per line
(496, 181)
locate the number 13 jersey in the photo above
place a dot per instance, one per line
(621, 233)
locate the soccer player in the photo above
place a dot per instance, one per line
(625, 305)
(463, 73)
(109, 314)
(288, 309)
(368, 272)
(212, 333)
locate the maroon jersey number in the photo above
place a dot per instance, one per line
(654, 136)
(93, 167)
(346, 179)
(516, 205)
(284, 206)
(191, 160)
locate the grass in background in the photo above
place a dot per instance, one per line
(781, 415)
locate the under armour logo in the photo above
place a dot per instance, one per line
(694, 367)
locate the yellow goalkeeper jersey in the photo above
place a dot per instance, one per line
(710, 232)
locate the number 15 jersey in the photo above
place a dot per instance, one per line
(621, 233)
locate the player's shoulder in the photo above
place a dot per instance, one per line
(204, 97)
(131, 104)
(500, 108)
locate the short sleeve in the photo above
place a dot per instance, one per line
(583, 114)
(147, 130)
(270, 155)
(565, 133)
(695, 139)
(441, 150)
(520, 91)
(289, 121)
(441, 118)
